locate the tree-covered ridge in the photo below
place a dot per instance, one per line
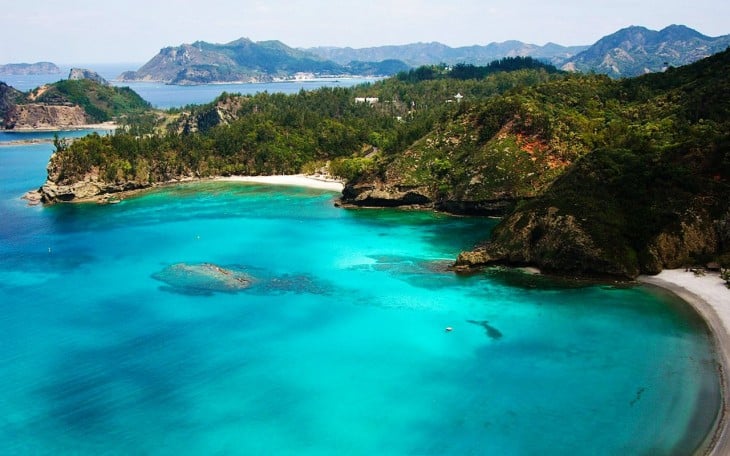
(466, 71)
(276, 133)
(652, 192)
(100, 102)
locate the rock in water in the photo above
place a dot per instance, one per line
(203, 278)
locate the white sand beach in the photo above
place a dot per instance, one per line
(298, 180)
(711, 298)
(97, 126)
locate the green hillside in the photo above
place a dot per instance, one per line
(100, 102)
(653, 191)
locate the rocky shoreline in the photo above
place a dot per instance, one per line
(380, 195)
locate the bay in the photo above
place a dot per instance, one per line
(338, 346)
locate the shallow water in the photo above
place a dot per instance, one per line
(337, 346)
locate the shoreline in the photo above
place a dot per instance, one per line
(315, 181)
(97, 126)
(296, 180)
(710, 298)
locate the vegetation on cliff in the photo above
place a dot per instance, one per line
(652, 192)
(67, 103)
(276, 133)
(100, 102)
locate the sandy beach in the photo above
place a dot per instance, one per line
(711, 298)
(97, 126)
(298, 180)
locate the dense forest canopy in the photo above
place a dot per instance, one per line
(275, 133)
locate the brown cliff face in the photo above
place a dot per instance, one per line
(38, 115)
(89, 187)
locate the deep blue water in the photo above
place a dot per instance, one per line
(170, 96)
(337, 347)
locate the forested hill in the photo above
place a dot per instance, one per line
(653, 192)
(272, 134)
(66, 103)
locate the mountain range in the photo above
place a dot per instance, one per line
(418, 54)
(631, 51)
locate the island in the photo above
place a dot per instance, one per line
(244, 60)
(26, 69)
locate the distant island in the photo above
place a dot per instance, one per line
(23, 69)
(243, 60)
(629, 52)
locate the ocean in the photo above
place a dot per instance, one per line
(236, 318)
(171, 96)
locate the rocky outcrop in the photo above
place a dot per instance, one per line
(585, 225)
(552, 241)
(77, 74)
(378, 194)
(89, 187)
(86, 190)
(44, 116)
(203, 278)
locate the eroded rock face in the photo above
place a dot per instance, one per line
(551, 241)
(556, 242)
(38, 115)
(697, 235)
(90, 187)
(380, 195)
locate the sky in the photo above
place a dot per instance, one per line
(133, 31)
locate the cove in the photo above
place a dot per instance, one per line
(110, 344)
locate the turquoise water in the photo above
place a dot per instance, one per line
(337, 347)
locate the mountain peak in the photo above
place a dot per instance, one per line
(636, 50)
(681, 32)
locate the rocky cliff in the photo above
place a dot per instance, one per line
(77, 74)
(44, 116)
(636, 218)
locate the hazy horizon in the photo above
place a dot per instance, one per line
(134, 31)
